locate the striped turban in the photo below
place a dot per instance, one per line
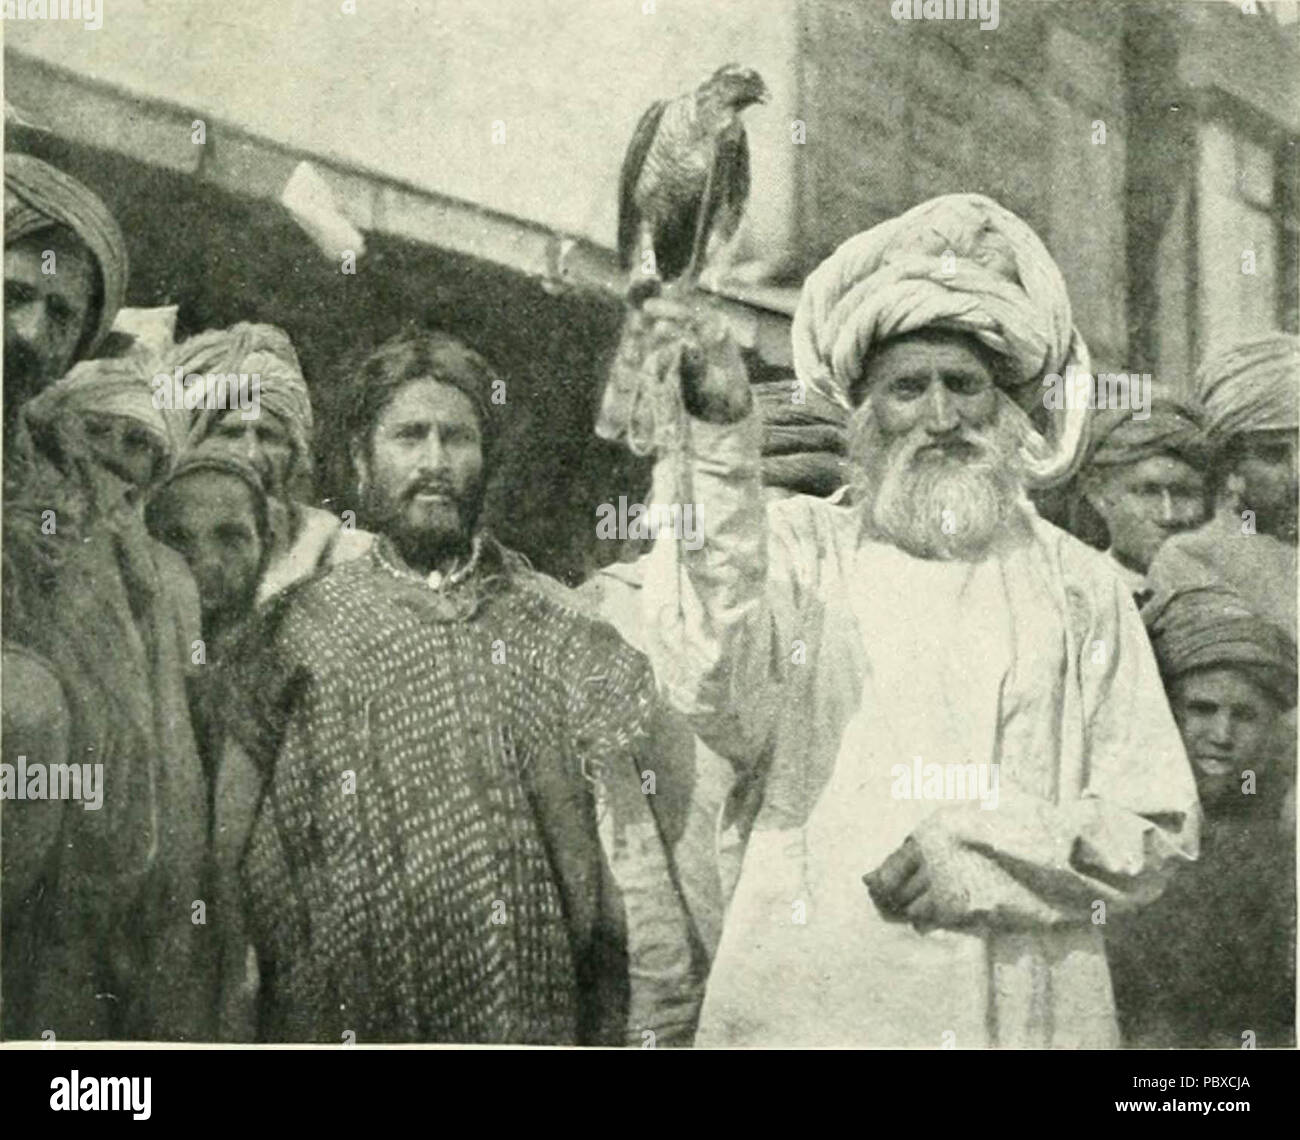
(113, 386)
(39, 196)
(1173, 428)
(959, 262)
(1251, 386)
(1212, 627)
(803, 443)
(262, 350)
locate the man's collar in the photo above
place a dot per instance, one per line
(445, 578)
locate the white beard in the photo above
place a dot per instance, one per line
(934, 504)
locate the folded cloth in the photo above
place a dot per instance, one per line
(960, 262)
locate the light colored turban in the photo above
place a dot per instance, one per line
(114, 386)
(39, 196)
(1212, 627)
(1000, 285)
(1251, 386)
(262, 350)
(1173, 428)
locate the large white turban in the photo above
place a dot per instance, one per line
(959, 262)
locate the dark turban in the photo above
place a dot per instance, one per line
(38, 197)
(1172, 428)
(803, 443)
(1252, 386)
(1212, 627)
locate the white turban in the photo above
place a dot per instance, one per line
(960, 262)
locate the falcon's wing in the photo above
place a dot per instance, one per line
(633, 163)
(733, 178)
(728, 191)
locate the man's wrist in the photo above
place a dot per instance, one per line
(721, 411)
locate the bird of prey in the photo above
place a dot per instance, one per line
(685, 178)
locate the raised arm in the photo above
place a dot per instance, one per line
(708, 616)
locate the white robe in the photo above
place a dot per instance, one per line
(840, 660)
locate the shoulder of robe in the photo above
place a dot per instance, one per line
(33, 697)
(322, 540)
(1186, 560)
(1092, 587)
(174, 574)
(575, 605)
(810, 528)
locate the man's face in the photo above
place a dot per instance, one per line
(1266, 468)
(1225, 719)
(210, 519)
(934, 445)
(1144, 503)
(423, 471)
(124, 447)
(45, 313)
(264, 442)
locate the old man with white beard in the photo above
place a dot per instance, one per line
(929, 622)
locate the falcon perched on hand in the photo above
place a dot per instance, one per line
(686, 176)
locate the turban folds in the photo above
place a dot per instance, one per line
(39, 196)
(959, 262)
(1208, 627)
(1251, 386)
(1172, 428)
(115, 386)
(252, 349)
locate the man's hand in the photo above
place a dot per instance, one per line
(715, 385)
(906, 888)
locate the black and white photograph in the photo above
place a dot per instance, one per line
(651, 524)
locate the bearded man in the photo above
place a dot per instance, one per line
(420, 739)
(1145, 478)
(65, 276)
(965, 756)
(1251, 396)
(274, 437)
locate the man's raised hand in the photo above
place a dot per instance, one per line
(714, 383)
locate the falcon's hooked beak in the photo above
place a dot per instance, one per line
(741, 86)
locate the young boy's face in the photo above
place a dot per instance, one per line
(1225, 717)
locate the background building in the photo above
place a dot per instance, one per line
(476, 144)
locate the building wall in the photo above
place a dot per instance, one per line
(411, 89)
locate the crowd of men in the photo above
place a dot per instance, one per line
(374, 775)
